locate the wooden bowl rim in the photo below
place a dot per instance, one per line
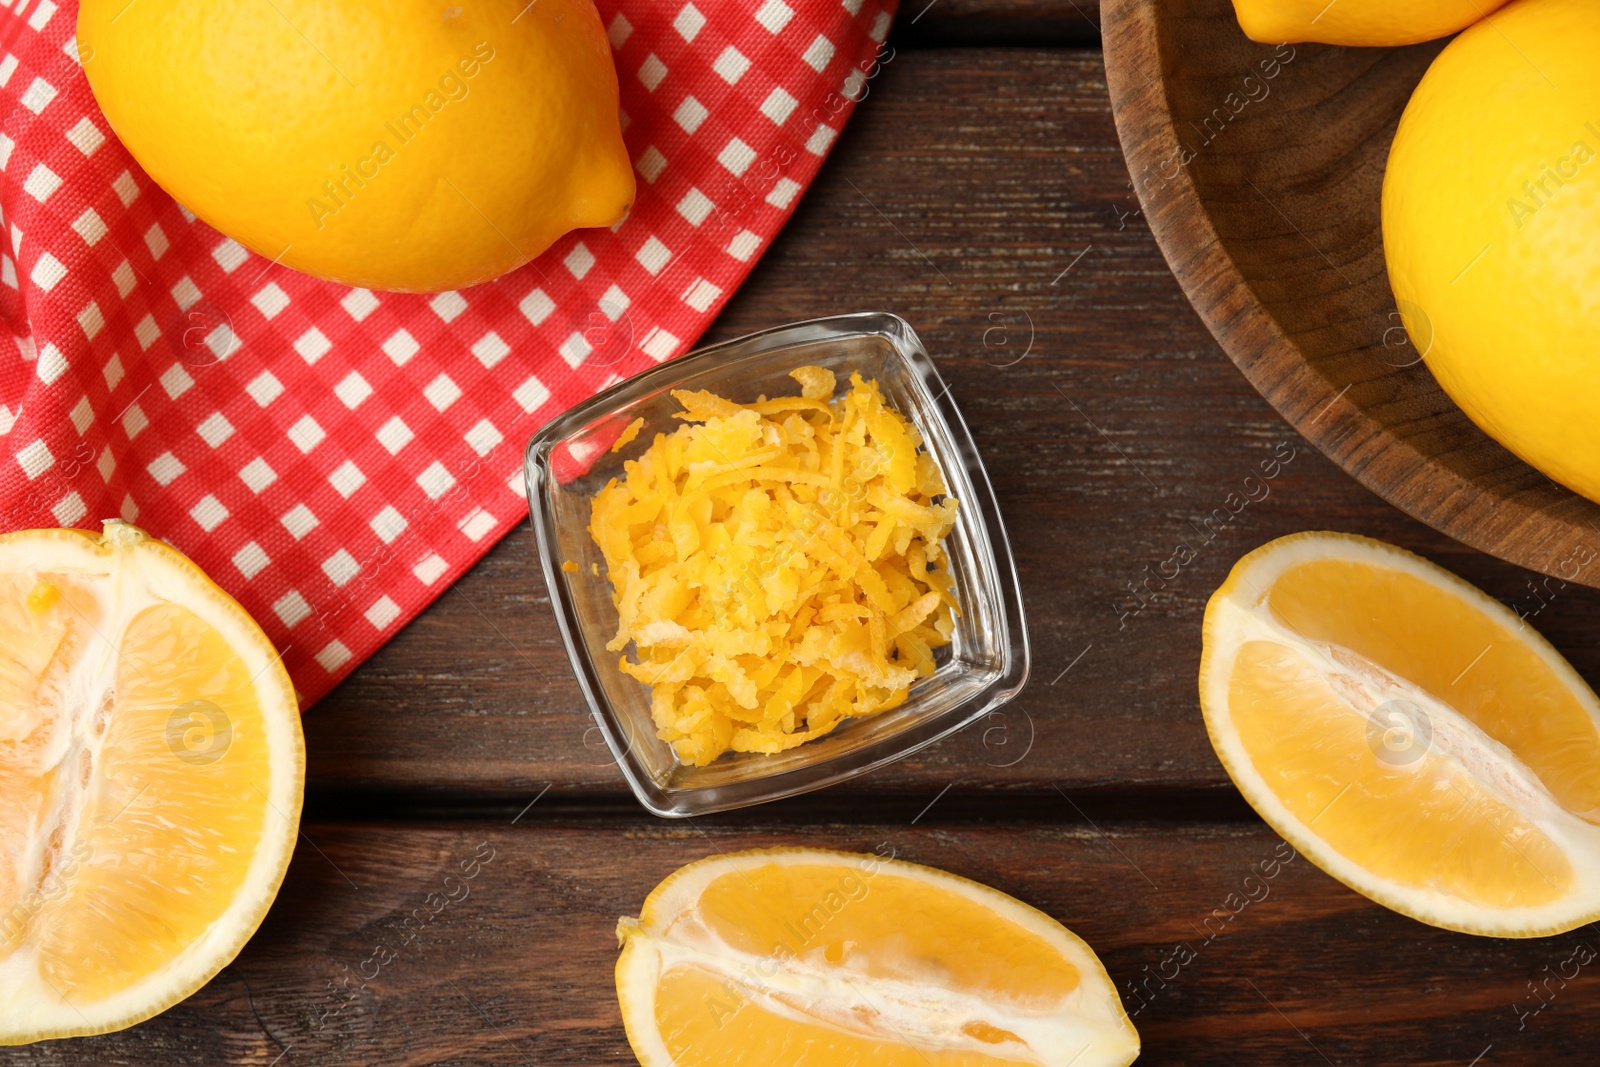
(1269, 359)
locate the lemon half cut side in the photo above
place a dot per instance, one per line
(1408, 733)
(795, 956)
(151, 774)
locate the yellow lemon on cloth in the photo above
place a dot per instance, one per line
(151, 772)
(798, 956)
(391, 144)
(1408, 734)
(1358, 22)
(1491, 228)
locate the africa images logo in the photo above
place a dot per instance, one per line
(348, 181)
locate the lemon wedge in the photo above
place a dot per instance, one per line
(1408, 733)
(830, 959)
(151, 772)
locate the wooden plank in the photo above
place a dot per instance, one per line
(986, 23)
(1281, 965)
(981, 194)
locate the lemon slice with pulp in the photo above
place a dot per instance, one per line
(151, 771)
(1407, 733)
(791, 956)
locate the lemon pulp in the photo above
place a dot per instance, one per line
(1408, 733)
(832, 960)
(150, 777)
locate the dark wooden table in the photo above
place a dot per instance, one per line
(979, 192)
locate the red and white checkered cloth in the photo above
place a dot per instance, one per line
(335, 458)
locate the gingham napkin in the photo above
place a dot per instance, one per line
(335, 458)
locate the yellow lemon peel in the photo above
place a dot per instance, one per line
(779, 567)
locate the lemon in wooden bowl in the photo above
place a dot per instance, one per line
(1366, 23)
(1491, 228)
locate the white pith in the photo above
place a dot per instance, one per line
(134, 573)
(1243, 616)
(1087, 1028)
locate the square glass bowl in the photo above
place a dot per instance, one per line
(569, 460)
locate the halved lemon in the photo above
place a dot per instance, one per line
(151, 771)
(1408, 733)
(831, 959)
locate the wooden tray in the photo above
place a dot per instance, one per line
(1260, 169)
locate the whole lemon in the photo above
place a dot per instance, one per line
(391, 144)
(1491, 229)
(1358, 22)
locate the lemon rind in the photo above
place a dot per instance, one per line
(1257, 571)
(28, 1015)
(646, 950)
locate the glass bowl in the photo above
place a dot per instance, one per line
(569, 460)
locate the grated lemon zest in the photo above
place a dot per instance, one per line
(777, 567)
(628, 434)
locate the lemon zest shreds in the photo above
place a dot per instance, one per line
(816, 383)
(628, 435)
(778, 567)
(700, 405)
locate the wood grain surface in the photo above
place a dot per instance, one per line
(385, 948)
(979, 192)
(1261, 169)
